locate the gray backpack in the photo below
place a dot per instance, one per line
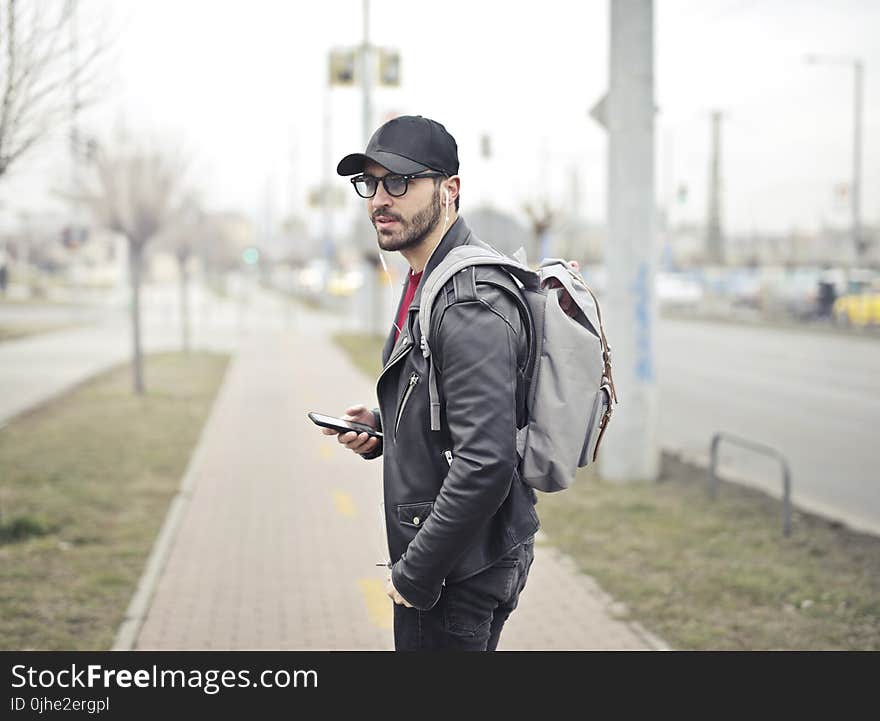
(570, 389)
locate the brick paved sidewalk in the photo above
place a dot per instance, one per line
(273, 541)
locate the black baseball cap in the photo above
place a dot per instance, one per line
(407, 144)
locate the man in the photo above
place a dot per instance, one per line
(460, 522)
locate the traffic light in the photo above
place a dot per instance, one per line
(250, 255)
(326, 195)
(389, 68)
(485, 146)
(682, 193)
(342, 67)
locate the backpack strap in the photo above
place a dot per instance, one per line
(458, 259)
(465, 285)
(606, 353)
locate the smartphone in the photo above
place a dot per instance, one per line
(338, 424)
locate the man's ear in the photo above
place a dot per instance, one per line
(453, 183)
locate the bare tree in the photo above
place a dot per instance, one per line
(185, 234)
(138, 192)
(46, 73)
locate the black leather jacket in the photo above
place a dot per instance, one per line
(454, 502)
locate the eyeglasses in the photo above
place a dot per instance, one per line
(395, 185)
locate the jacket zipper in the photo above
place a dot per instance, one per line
(448, 455)
(413, 380)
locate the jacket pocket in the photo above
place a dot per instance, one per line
(414, 514)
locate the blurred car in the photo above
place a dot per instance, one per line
(743, 288)
(312, 279)
(677, 290)
(344, 283)
(858, 309)
(799, 293)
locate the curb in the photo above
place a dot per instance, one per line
(803, 504)
(139, 606)
(615, 610)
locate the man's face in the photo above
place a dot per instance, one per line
(406, 221)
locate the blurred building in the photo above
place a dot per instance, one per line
(579, 239)
(45, 251)
(499, 229)
(569, 236)
(683, 246)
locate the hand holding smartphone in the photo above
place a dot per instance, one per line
(343, 426)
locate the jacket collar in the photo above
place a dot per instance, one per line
(458, 234)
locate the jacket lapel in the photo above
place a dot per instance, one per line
(388, 348)
(458, 234)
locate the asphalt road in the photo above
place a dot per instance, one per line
(814, 397)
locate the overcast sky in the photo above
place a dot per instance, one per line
(243, 85)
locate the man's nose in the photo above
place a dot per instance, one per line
(381, 199)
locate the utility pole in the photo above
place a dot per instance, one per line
(367, 77)
(327, 217)
(630, 450)
(77, 229)
(667, 153)
(714, 237)
(858, 242)
(859, 84)
(376, 282)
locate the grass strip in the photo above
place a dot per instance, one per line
(17, 331)
(85, 482)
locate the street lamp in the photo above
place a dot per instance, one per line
(856, 190)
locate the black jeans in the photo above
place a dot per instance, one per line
(470, 614)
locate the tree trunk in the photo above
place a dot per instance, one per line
(135, 255)
(184, 301)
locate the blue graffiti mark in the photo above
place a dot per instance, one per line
(644, 358)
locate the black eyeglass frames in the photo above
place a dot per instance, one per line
(395, 184)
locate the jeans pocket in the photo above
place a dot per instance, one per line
(467, 615)
(528, 560)
(471, 604)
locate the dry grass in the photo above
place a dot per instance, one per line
(86, 482)
(10, 331)
(719, 574)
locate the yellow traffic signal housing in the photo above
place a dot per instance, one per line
(389, 68)
(342, 67)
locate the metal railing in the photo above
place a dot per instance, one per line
(758, 448)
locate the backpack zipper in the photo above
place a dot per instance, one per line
(413, 380)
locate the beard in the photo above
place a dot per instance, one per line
(409, 233)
